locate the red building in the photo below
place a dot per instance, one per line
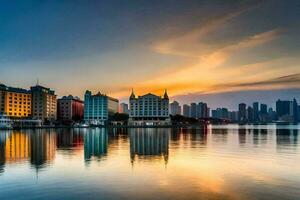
(70, 109)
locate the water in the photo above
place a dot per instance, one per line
(214, 162)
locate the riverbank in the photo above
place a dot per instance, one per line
(104, 126)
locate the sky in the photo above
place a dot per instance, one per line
(220, 51)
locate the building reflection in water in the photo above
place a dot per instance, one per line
(149, 143)
(2, 152)
(38, 147)
(242, 136)
(190, 137)
(286, 138)
(70, 140)
(43, 147)
(220, 135)
(17, 147)
(95, 144)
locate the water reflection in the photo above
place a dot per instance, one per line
(95, 144)
(212, 162)
(149, 143)
(2, 151)
(70, 140)
(286, 138)
(42, 147)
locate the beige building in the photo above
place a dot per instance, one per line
(149, 109)
(44, 103)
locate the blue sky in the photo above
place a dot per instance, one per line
(194, 48)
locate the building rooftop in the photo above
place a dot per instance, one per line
(13, 89)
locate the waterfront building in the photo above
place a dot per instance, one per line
(255, 112)
(272, 114)
(194, 110)
(263, 114)
(202, 110)
(70, 109)
(149, 109)
(175, 108)
(285, 110)
(124, 108)
(221, 113)
(250, 114)
(295, 111)
(186, 110)
(242, 116)
(44, 104)
(15, 102)
(234, 116)
(98, 108)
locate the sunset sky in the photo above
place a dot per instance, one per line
(213, 50)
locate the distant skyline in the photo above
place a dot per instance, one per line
(217, 51)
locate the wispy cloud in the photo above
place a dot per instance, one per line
(191, 42)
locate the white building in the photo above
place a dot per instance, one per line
(149, 109)
(175, 108)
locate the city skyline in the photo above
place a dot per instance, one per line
(200, 50)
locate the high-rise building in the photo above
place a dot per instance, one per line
(149, 109)
(15, 102)
(202, 110)
(221, 113)
(99, 108)
(175, 108)
(234, 116)
(186, 110)
(255, 112)
(263, 108)
(124, 108)
(263, 114)
(70, 108)
(295, 111)
(242, 112)
(44, 104)
(250, 114)
(193, 110)
(283, 108)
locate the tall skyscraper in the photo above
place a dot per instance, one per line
(186, 109)
(250, 114)
(149, 109)
(263, 113)
(255, 112)
(263, 108)
(194, 110)
(202, 110)
(242, 116)
(44, 104)
(99, 108)
(175, 108)
(295, 110)
(287, 111)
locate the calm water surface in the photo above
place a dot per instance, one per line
(214, 162)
